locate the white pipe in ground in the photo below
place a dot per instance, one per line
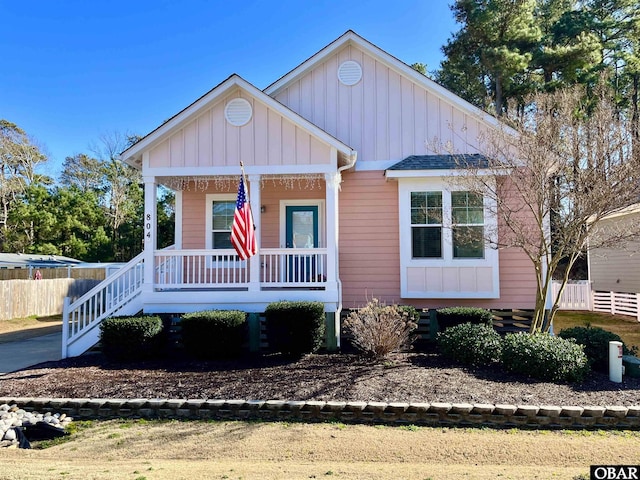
(615, 362)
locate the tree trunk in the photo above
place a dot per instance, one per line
(635, 114)
(498, 99)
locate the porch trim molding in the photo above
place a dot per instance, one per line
(332, 185)
(150, 230)
(215, 171)
(177, 241)
(255, 194)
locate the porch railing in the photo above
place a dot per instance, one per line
(176, 269)
(293, 267)
(108, 298)
(575, 296)
(279, 267)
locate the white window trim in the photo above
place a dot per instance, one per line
(440, 225)
(408, 185)
(453, 225)
(296, 203)
(210, 198)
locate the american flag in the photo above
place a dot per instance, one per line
(243, 237)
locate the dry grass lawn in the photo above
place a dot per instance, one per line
(141, 450)
(627, 327)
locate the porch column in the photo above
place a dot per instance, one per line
(332, 181)
(150, 231)
(254, 262)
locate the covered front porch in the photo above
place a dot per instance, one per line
(296, 230)
(293, 172)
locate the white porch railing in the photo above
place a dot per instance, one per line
(177, 269)
(201, 269)
(82, 317)
(293, 267)
(576, 296)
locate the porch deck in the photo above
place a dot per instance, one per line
(179, 281)
(221, 270)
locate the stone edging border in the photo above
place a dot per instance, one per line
(428, 414)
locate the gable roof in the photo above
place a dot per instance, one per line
(352, 38)
(441, 162)
(133, 154)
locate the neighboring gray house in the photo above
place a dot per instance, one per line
(617, 269)
(25, 265)
(29, 260)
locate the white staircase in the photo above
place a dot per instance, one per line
(119, 294)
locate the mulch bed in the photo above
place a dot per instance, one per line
(407, 377)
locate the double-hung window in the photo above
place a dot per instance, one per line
(222, 212)
(465, 238)
(446, 239)
(426, 224)
(467, 221)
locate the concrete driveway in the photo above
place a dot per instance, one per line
(25, 353)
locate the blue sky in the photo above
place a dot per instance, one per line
(74, 70)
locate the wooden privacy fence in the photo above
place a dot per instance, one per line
(49, 273)
(23, 298)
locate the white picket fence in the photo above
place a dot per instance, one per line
(579, 296)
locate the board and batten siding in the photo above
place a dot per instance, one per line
(267, 139)
(616, 269)
(385, 116)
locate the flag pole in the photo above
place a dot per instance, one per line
(246, 190)
(244, 179)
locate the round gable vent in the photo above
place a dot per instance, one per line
(238, 112)
(349, 72)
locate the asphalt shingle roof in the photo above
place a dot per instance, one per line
(441, 162)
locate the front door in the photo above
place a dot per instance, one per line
(301, 233)
(302, 226)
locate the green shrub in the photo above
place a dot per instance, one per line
(213, 333)
(596, 344)
(452, 316)
(295, 328)
(131, 338)
(544, 357)
(378, 330)
(471, 344)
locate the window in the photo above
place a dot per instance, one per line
(426, 224)
(466, 220)
(221, 221)
(446, 239)
(468, 225)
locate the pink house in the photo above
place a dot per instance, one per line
(349, 201)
